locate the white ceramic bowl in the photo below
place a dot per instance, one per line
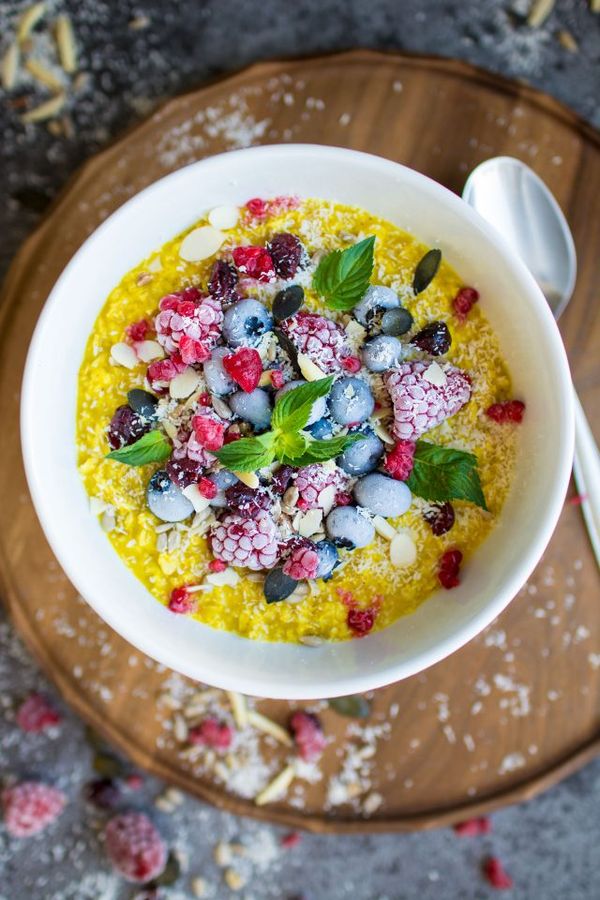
(530, 342)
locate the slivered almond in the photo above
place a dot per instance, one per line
(143, 279)
(43, 75)
(44, 111)
(539, 12)
(268, 726)
(228, 577)
(309, 369)
(29, 20)
(149, 350)
(9, 67)
(65, 42)
(250, 479)
(238, 708)
(277, 787)
(184, 384)
(383, 528)
(198, 501)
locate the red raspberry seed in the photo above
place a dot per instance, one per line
(351, 364)
(496, 875)
(508, 411)
(254, 262)
(464, 302)
(36, 714)
(217, 565)
(473, 827)
(212, 733)
(181, 600)
(207, 488)
(399, 461)
(135, 848)
(208, 432)
(30, 806)
(245, 367)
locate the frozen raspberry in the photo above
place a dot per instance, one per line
(208, 431)
(36, 714)
(496, 875)
(205, 399)
(138, 331)
(254, 262)
(252, 543)
(449, 568)
(217, 565)
(420, 405)
(258, 208)
(302, 563)
(319, 338)
(103, 793)
(287, 254)
(30, 806)
(207, 488)
(212, 733)
(277, 378)
(312, 481)
(184, 471)
(245, 367)
(247, 501)
(440, 517)
(181, 601)
(189, 323)
(308, 735)
(134, 781)
(162, 371)
(232, 434)
(473, 827)
(399, 461)
(508, 411)
(134, 847)
(223, 282)
(351, 364)
(126, 427)
(361, 621)
(343, 499)
(464, 302)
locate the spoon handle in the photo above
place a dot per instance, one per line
(586, 468)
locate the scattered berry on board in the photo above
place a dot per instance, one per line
(29, 807)
(135, 847)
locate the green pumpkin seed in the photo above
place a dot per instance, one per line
(169, 874)
(426, 270)
(355, 706)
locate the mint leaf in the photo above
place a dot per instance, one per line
(441, 473)
(343, 276)
(320, 451)
(292, 411)
(152, 447)
(247, 454)
(290, 446)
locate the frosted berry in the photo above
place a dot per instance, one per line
(350, 401)
(207, 488)
(208, 431)
(161, 372)
(135, 848)
(258, 208)
(434, 339)
(302, 563)
(473, 827)
(245, 322)
(254, 407)
(360, 621)
(181, 601)
(244, 367)
(281, 478)
(496, 874)
(464, 302)
(317, 410)
(277, 378)
(363, 456)
(322, 429)
(382, 496)
(449, 568)
(313, 480)
(308, 735)
(138, 331)
(103, 793)
(212, 733)
(251, 543)
(376, 300)
(508, 411)
(217, 380)
(217, 565)
(278, 586)
(190, 317)
(126, 427)
(322, 340)
(288, 302)
(351, 364)
(36, 714)
(247, 501)
(31, 806)
(222, 479)
(350, 528)
(287, 254)
(165, 499)
(420, 405)
(183, 471)
(381, 353)
(400, 460)
(328, 558)
(223, 282)
(440, 517)
(254, 262)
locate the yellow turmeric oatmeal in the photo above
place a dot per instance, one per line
(295, 422)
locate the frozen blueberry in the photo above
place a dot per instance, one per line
(245, 323)
(396, 321)
(287, 302)
(254, 407)
(350, 401)
(348, 527)
(319, 407)
(143, 403)
(165, 499)
(278, 585)
(223, 479)
(362, 456)
(382, 496)
(328, 558)
(321, 430)
(217, 380)
(381, 353)
(376, 299)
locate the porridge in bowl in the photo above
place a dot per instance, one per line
(295, 422)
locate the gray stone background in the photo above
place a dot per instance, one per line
(550, 845)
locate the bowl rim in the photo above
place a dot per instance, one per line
(255, 684)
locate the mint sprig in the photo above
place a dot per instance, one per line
(287, 441)
(441, 473)
(152, 447)
(342, 277)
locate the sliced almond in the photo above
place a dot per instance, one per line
(201, 243)
(566, 40)
(277, 787)
(227, 578)
(98, 506)
(184, 384)
(312, 640)
(250, 479)
(224, 217)
(124, 355)
(29, 20)
(198, 501)
(44, 75)
(65, 42)
(143, 279)
(382, 432)
(435, 375)
(383, 528)
(268, 726)
(327, 499)
(44, 111)
(310, 522)
(220, 407)
(149, 350)
(309, 369)
(9, 67)
(265, 378)
(403, 550)
(238, 708)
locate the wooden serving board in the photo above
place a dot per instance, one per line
(517, 709)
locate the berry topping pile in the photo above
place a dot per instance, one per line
(297, 409)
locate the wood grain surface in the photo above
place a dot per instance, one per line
(519, 707)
